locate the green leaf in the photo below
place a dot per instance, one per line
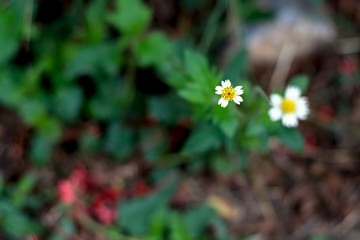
(158, 223)
(167, 108)
(320, 237)
(196, 65)
(95, 19)
(204, 137)
(221, 229)
(22, 190)
(131, 17)
(68, 225)
(237, 67)
(41, 149)
(300, 81)
(197, 219)
(136, 213)
(291, 137)
(193, 94)
(50, 128)
(14, 223)
(68, 103)
(89, 142)
(33, 111)
(178, 229)
(92, 59)
(108, 103)
(119, 140)
(200, 80)
(9, 40)
(153, 49)
(226, 119)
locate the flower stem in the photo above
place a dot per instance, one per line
(262, 94)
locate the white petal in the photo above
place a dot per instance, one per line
(238, 100)
(224, 103)
(221, 101)
(219, 88)
(219, 92)
(238, 90)
(227, 83)
(223, 84)
(289, 120)
(275, 99)
(302, 108)
(275, 114)
(292, 92)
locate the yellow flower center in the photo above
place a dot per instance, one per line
(228, 93)
(288, 106)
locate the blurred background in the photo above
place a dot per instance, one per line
(110, 128)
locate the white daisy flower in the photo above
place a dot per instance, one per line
(228, 93)
(289, 108)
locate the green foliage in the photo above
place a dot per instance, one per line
(14, 222)
(130, 17)
(136, 214)
(87, 67)
(204, 138)
(301, 81)
(291, 137)
(119, 140)
(153, 49)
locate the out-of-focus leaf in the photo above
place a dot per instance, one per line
(320, 237)
(197, 219)
(89, 143)
(92, 59)
(291, 137)
(68, 103)
(153, 49)
(191, 4)
(168, 108)
(131, 17)
(95, 18)
(221, 231)
(22, 190)
(68, 225)
(9, 40)
(251, 11)
(178, 229)
(8, 89)
(50, 128)
(33, 111)
(194, 94)
(237, 67)
(226, 119)
(205, 137)
(301, 81)
(158, 223)
(107, 103)
(201, 80)
(137, 213)
(14, 223)
(41, 149)
(112, 233)
(119, 140)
